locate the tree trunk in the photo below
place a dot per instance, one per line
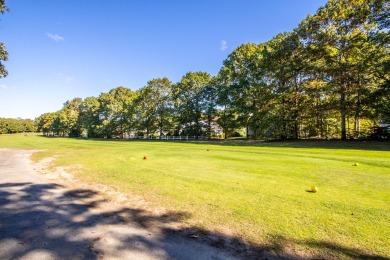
(357, 117)
(209, 126)
(161, 128)
(296, 129)
(122, 131)
(296, 112)
(343, 115)
(225, 128)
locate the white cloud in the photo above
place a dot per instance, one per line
(65, 78)
(55, 37)
(3, 86)
(223, 45)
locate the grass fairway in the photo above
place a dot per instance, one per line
(257, 192)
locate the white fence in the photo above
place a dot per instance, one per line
(167, 137)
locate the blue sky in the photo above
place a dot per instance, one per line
(62, 49)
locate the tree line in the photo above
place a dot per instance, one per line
(11, 125)
(328, 78)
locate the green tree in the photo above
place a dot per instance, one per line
(188, 101)
(227, 119)
(337, 36)
(155, 106)
(68, 118)
(283, 68)
(29, 125)
(121, 103)
(379, 99)
(245, 88)
(237, 79)
(3, 51)
(209, 99)
(106, 114)
(45, 123)
(18, 125)
(113, 112)
(145, 115)
(89, 116)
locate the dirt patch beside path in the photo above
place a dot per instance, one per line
(51, 215)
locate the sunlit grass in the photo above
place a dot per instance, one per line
(258, 191)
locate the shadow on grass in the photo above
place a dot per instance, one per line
(345, 251)
(47, 220)
(366, 145)
(369, 145)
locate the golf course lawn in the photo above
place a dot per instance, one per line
(257, 192)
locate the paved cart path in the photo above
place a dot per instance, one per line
(45, 217)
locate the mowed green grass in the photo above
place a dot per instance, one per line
(256, 192)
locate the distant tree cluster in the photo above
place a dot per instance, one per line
(328, 78)
(11, 125)
(159, 108)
